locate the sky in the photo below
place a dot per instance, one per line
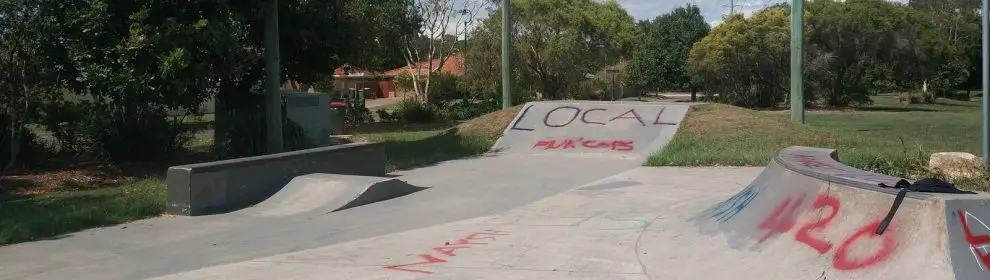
(712, 10)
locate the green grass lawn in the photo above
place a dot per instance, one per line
(33, 217)
(886, 137)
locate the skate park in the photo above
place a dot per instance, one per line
(561, 195)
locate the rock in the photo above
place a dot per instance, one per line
(956, 165)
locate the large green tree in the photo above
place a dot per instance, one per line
(26, 77)
(559, 42)
(861, 46)
(744, 60)
(128, 66)
(659, 60)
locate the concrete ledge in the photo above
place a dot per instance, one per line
(228, 185)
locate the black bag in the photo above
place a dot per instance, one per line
(930, 185)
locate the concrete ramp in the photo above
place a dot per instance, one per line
(809, 216)
(324, 193)
(576, 127)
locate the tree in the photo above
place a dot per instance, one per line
(659, 61)
(744, 61)
(859, 45)
(26, 76)
(951, 43)
(558, 43)
(428, 50)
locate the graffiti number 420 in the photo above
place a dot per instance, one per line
(784, 217)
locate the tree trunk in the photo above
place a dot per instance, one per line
(694, 93)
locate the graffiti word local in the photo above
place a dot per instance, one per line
(568, 115)
(581, 143)
(448, 250)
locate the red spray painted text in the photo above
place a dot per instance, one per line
(581, 143)
(448, 249)
(784, 217)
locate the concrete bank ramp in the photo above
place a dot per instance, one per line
(805, 216)
(325, 193)
(581, 127)
(809, 216)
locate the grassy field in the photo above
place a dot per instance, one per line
(33, 217)
(886, 137)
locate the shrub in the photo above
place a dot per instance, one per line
(31, 149)
(294, 136)
(411, 110)
(916, 97)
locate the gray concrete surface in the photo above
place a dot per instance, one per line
(523, 214)
(633, 129)
(460, 189)
(223, 186)
(598, 230)
(805, 216)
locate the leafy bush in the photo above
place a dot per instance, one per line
(101, 132)
(403, 82)
(384, 116)
(294, 136)
(31, 150)
(916, 97)
(411, 110)
(445, 87)
(468, 109)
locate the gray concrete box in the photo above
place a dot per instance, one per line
(223, 186)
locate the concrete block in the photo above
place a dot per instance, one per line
(228, 185)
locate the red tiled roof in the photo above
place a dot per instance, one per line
(453, 65)
(346, 70)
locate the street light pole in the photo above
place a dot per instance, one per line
(273, 81)
(506, 53)
(797, 60)
(986, 82)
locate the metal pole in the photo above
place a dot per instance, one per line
(506, 59)
(797, 61)
(986, 83)
(273, 79)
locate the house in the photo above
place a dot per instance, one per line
(378, 84)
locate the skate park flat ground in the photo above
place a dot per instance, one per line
(594, 231)
(561, 196)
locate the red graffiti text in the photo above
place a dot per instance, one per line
(784, 217)
(449, 249)
(581, 143)
(977, 243)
